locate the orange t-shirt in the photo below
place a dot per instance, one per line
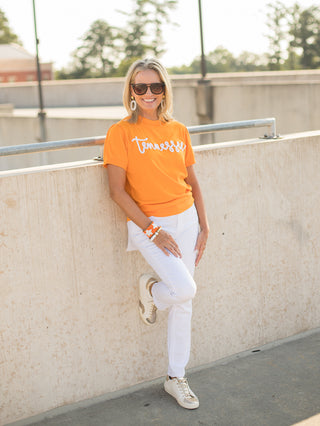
(155, 156)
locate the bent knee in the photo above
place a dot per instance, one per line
(186, 291)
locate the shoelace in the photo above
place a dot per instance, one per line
(151, 309)
(184, 386)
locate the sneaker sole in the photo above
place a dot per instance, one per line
(143, 280)
(141, 311)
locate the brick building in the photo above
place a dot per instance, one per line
(16, 64)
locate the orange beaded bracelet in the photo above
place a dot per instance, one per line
(152, 231)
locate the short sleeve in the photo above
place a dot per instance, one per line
(189, 159)
(115, 147)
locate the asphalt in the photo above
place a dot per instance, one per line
(274, 385)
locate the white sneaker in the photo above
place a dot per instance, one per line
(179, 389)
(147, 308)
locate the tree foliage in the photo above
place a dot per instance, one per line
(222, 60)
(276, 23)
(134, 34)
(98, 52)
(294, 43)
(159, 13)
(107, 51)
(294, 35)
(7, 36)
(304, 32)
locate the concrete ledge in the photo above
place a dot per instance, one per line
(68, 319)
(6, 109)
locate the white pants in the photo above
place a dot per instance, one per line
(177, 288)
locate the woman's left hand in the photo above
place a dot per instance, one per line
(201, 244)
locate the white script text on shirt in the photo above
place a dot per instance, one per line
(172, 146)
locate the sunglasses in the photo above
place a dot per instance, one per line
(141, 88)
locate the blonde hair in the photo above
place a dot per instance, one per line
(165, 108)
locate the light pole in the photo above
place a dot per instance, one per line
(203, 59)
(41, 113)
(204, 91)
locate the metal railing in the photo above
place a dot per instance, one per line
(99, 140)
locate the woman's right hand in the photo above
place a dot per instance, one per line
(167, 244)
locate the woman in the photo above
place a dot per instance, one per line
(149, 160)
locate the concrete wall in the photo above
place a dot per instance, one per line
(108, 91)
(64, 93)
(25, 130)
(69, 323)
(291, 97)
(295, 106)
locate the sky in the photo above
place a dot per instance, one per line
(237, 25)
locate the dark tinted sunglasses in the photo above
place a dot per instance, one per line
(141, 88)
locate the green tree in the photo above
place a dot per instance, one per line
(7, 36)
(294, 36)
(159, 15)
(304, 35)
(248, 61)
(134, 34)
(183, 69)
(220, 60)
(98, 54)
(108, 51)
(277, 34)
(143, 33)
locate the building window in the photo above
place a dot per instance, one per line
(30, 77)
(12, 78)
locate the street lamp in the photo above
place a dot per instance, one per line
(203, 59)
(204, 90)
(41, 113)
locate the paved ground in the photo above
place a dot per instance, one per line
(278, 385)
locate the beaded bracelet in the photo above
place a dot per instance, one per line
(155, 234)
(152, 231)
